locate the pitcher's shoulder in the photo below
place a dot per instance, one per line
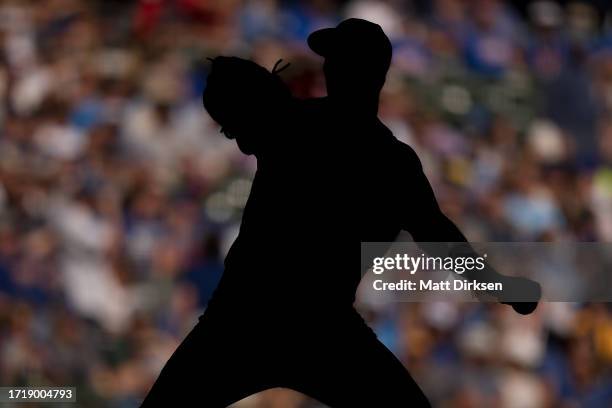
(405, 155)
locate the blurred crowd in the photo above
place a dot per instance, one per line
(119, 196)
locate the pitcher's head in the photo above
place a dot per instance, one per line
(357, 57)
(245, 99)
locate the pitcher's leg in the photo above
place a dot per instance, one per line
(207, 370)
(385, 381)
(358, 371)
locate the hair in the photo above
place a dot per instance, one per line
(241, 91)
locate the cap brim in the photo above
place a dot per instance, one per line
(321, 41)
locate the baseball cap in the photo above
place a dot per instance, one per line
(352, 38)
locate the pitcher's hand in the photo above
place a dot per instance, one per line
(528, 291)
(520, 293)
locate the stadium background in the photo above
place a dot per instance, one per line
(118, 195)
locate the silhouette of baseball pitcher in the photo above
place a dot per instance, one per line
(283, 315)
